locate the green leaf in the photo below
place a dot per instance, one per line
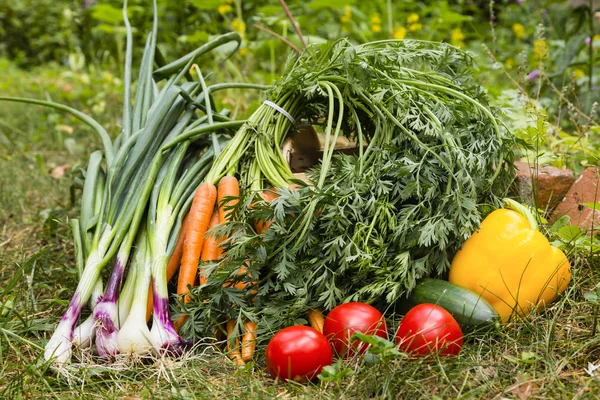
(195, 38)
(452, 17)
(335, 372)
(269, 10)
(323, 4)
(559, 223)
(107, 13)
(591, 296)
(576, 20)
(569, 233)
(592, 205)
(572, 48)
(529, 357)
(379, 349)
(106, 28)
(6, 306)
(207, 5)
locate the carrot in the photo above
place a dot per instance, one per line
(267, 195)
(316, 320)
(172, 266)
(211, 251)
(175, 260)
(228, 186)
(249, 341)
(234, 351)
(199, 215)
(199, 219)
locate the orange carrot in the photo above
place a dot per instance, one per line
(234, 351)
(211, 251)
(249, 341)
(228, 186)
(175, 260)
(199, 215)
(199, 219)
(172, 266)
(316, 320)
(267, 195)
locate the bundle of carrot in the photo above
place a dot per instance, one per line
(254, 155)
(212, 206)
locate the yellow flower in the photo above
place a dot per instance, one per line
(243, 51)
(596, 37)
(376, 28)
(412, 18)
(229, 1)
(376, 19)
(399, 33)
(457, 35)
(238, 26)
(509, 63)
(224, 9)
(519, 30)
(578, 73)
(540, 48)
(414, 27)
(347, 15)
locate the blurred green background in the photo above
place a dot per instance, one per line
(538, 59)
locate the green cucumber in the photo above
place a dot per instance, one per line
(471, 311)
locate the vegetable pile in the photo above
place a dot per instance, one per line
(431, 155)
(190, 194)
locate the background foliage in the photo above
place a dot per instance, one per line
(543, 54)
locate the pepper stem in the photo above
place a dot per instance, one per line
(522, 209)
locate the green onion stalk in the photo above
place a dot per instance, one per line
(162, 124)
(168, 202)
(168, 199)
(92, 194)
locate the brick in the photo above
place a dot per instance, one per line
(551, 184)
(584, 190)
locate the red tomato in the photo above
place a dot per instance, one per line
(298, 353)
(348, 318)
(428, 328)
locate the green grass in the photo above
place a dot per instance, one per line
(543, 356)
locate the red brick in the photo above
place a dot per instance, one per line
(551, 184)
(584, 190)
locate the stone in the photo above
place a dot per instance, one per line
(584, 190)
(550, 184)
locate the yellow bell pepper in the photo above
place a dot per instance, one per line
(510, 263)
